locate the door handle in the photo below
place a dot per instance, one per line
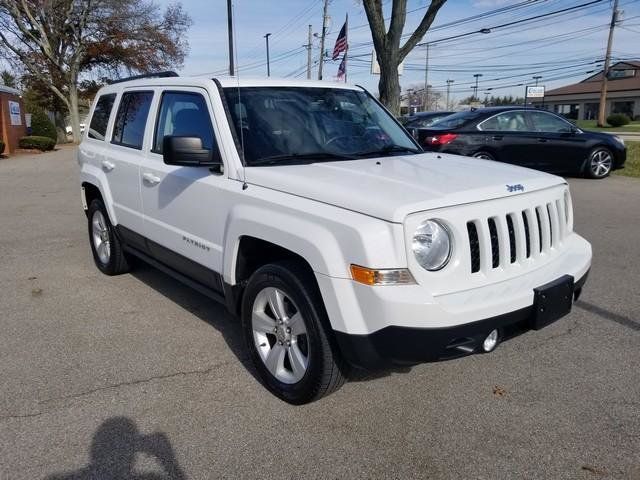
(497, 137)
(150, 178)
(107, 166)
(542, 140)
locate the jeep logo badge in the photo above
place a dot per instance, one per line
(518, 187)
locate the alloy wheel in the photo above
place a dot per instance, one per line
(280, 335)
(601, 162)
(100, 236)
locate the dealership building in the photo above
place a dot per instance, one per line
(12, 120)
(581, 100)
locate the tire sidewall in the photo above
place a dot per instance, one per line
(487, 154)
(279, 277)
(109, 267)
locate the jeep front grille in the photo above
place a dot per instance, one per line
(501, 240)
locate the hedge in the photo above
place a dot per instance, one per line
(37, 143)
(617, 119)
(41, 126)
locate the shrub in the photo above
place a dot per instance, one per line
(41, 126)
(37, 142)
(1, 147)
(617, 119)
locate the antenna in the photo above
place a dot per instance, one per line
(239, 111)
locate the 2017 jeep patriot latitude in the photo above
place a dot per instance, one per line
(310, 212)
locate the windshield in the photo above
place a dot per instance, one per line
(456, 120)
(294, 124)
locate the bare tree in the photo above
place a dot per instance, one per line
(56, 41)
(387, 43)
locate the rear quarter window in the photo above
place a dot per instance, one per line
(100, 118)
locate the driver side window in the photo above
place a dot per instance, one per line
(183, 114)
(545, 122)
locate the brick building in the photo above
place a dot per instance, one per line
(12, 119)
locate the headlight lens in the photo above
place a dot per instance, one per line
(618, 139)
(431, 245)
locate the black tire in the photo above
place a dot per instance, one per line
(325, 371)
(484, 155)
(594, 167)
(117, 261)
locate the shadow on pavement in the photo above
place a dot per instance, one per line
(614, 317)
(217, 316)
(114, 448)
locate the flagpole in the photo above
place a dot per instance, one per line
(346, 35)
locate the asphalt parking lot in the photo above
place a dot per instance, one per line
(137, 376)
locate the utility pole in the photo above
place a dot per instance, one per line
(426, 80)
(475, 88)
(230, 29)
(449, 82)
(308, 45)
(266, 37)
(536, 78)
(607, 60)
(322, 35)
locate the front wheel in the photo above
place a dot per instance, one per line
(599, 163)
(285, 329)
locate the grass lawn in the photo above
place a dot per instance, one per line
(632, 165)
(592, 125)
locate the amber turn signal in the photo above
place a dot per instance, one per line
(387, 276)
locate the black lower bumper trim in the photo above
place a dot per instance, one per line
(408, 346)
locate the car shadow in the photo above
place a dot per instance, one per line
(216, 315)
(203, 307)
(115, 447)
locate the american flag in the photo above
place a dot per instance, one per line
(342, 69)
(341, 42)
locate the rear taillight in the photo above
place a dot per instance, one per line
(443, 139)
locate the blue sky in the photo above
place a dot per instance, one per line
(560, 48)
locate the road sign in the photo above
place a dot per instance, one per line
(535, 92)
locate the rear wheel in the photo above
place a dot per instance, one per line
(285, 328)
(484, 155)
(599, 163)
(108, 254)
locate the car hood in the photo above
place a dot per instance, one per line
(390, 188)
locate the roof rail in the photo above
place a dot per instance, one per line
(167, 74)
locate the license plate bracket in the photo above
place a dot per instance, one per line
(552, 301)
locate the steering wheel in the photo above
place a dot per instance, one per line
(348, 140)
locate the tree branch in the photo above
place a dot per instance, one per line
(419, 32)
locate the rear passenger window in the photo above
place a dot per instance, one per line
(100, 119)
(183, 114)
(131, 120)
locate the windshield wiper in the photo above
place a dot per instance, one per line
(300, 157)
(387, 149)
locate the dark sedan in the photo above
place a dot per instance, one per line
(527, 137)
(422, 120)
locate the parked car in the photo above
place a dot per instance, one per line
(422, 120)
(526, 137)
(308, 211)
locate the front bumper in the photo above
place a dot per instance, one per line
(395, 345)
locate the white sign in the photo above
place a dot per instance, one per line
(14, 113)
(535, 92)
(375, 67)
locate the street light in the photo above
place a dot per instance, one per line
(475, 88)
(266, 37)
(449, 82)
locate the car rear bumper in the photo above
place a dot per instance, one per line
(395, 345)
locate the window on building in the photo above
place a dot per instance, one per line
(622, 73)
(591, 111)
(568, 110)
(623, 107)
(100, 119)
(131, 120)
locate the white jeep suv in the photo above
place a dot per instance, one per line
(310, 212)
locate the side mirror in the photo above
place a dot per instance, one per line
(188, 152)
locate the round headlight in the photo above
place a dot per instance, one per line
(432, 245)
